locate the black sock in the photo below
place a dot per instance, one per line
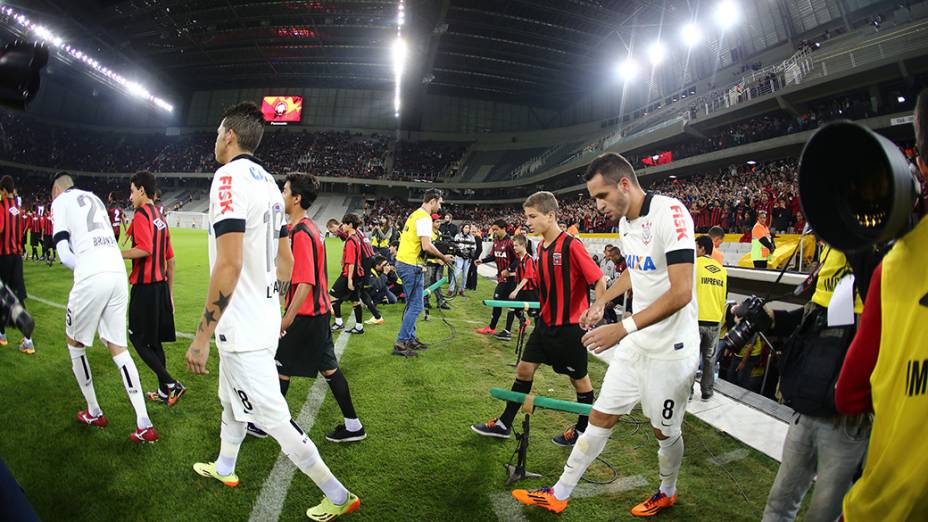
(513, 407)
(497, 312)
(150, 354)
(339, 386)
(583, 420)
(337, 308)
(284, 386)
(358, 317)
(509, 317)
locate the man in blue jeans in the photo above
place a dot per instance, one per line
(415, 245)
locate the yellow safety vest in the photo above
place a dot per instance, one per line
(410, 248)
(711, 289)
(895, 480)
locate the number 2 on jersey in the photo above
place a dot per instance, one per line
(95, 211)
(274, 219)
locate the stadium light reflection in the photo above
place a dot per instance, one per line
(727, 14)
(656, 53)
(628, 69)
(399, 52)
(691, 34)
(47, 35)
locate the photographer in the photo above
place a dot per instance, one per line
(821, 443)
(415, 243)
(381, 237)
(885, 372)
(380, 282)
(462, 263)
(434, 271)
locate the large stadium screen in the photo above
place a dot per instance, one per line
(281, 110)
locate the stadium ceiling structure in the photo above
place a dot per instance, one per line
(539, 52)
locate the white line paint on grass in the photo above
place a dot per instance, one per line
(270, 501)
(731, 456)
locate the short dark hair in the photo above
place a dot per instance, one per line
(145, 180)
(304, 185)
(921, 124)
(352, 219)
(246, 120)
(378, 260)
(611, 166)
(6, 183)
(395, 244)
(331, 222)
(500, 223)
(431, 194)
(705, 242)
(716, 231)
(520, 238)
(542, 201)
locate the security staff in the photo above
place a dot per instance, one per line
(711, 293)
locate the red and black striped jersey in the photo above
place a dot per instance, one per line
(525, 271)
(150, 233)
(115, 215)
(504, 255)
(36, 225)
(12, 225)
(353, 255)
(565, 273)
(309, 267)
(48, 225)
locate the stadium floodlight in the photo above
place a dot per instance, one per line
(727, 14)
(900, 99)
(656, 53)
(691, 34)
(628, 69)
(48, 36)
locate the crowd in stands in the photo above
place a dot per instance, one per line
(425, 160)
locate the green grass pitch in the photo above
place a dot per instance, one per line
(420, 461)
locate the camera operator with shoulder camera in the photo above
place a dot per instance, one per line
(415, 242)
(886, 372)
(821, 443)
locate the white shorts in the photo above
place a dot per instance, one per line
(248, 384)
(662, 386)
(98, 304)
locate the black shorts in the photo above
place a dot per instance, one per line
(307, 349)
(341, 292)
(529, 296)
(559, 347)
(503, 290)
(151, 318)
(34, 239)
(11, 273)
(48, 243)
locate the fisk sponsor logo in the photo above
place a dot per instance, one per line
(225, 194)
(679, 221)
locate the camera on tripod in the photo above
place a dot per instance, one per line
(753, 319)
(12, 312)
(449, 247)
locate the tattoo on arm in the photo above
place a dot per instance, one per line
(208, 318)
(223, 301)
(283, 287)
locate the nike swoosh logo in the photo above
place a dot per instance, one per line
(665, 425)
(924, 300)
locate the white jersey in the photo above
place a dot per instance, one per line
(662, 234)
(245, 198)
(80, 217)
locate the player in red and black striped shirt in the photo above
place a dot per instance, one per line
(525, 289)
(348, 285)
(35, 232)
(12, 225)
(48, 243)
(564, 276)
(151, 302)
(504, 255)
(114, 211)
(305, 347)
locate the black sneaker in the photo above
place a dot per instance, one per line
(416, 344)
(504, 336)
(403, 350)
(491, 428)
(341, 434)
(336, 327)
(175, 392)
(255, 431)
(355, 330)
(706, 396)
(444, 306)
(568, 438)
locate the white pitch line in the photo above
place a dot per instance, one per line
(270, 501)
(509, 509)
(731, 456)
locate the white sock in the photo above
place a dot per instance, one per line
(297, 446)
(589, 445)
(130, 379)
(338, 321)
(352, 424)
(669, 458)
(231, 435)
(81, 368)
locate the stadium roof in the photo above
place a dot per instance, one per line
(514, 50)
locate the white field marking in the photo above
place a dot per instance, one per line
(509, 509)
(270, 501)
(731, 456)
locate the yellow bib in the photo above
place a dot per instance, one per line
(711, 289)
(410, 245)
(835, 268)
(895, 481)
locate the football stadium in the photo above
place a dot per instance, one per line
(468, 260)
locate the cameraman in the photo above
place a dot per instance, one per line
(821, 443)
(885, 372)
(415, 242)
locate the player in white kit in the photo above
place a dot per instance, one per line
(250, 258)
(98, 300)
(656, 350)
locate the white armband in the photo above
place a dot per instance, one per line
(629, 324)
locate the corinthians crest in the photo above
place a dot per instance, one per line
(646, 233)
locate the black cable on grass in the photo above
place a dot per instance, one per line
(728, 473)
